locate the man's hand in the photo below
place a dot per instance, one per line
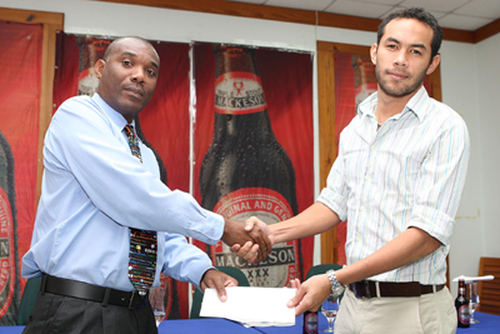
(255, 239)
(249, 251)
(218, 280)
(311, 294)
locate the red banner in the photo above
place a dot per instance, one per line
(20, 95)
(254, 148)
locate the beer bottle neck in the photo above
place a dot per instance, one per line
(461, 288)
(238, 88)
(256, 125)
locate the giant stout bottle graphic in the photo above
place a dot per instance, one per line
(364, 78)
(246, 172)
(9, 279)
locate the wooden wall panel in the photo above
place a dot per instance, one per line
(327, 139)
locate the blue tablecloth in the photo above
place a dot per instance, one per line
(489, 324)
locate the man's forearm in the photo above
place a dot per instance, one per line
(409, 246)
(315, 219)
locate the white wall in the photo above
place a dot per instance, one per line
(469, 84)
(488, 78)
(459, 88)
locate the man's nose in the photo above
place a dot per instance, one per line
(401, 58)
(138, 75)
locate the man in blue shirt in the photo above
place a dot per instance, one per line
(101, 192)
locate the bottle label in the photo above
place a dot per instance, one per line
(271, 207)
(239, 93)
(311, 323)
(6, 253)
(464, 315)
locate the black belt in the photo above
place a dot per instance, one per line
(95, 293)
(370, 289)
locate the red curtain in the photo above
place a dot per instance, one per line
(20, 76)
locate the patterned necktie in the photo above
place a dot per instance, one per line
(143, 244)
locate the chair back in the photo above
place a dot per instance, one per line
(321, 269)
(30, 293)
(198, 295)
(489, 291)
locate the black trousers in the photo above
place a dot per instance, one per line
(56, 314)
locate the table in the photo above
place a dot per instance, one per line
(223, 326)
(489, 324)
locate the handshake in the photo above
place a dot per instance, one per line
(251, 240)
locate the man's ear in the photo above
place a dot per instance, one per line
(373, 53)
(433, 65)
(99, 67)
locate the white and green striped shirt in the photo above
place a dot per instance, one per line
(410, 172)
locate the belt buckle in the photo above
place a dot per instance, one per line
(136, 294)
(362, 289)
(366, 286)
(131, 300)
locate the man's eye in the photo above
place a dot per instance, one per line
(126, 62)
(151, 73)
(416, 52)
(391, 46)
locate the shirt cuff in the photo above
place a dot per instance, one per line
(335, 202)
(207, 227)
(436, 223)
(218, 223)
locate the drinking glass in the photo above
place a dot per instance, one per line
(473, 301)
(329, 310)
(157, 301)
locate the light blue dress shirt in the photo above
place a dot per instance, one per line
(94, 189)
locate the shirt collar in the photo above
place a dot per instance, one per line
(416, 104)
(113, 115)
(368, 105)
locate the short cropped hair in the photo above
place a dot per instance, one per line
(421, 15)
(111, 47)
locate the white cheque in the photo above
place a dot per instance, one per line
(251, 306)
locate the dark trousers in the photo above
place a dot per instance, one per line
(56, 314)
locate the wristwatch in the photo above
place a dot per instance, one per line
(337, 287)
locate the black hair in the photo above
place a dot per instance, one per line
(421, 15)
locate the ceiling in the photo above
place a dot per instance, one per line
(455, 14)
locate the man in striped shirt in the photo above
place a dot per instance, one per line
(397, 181)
